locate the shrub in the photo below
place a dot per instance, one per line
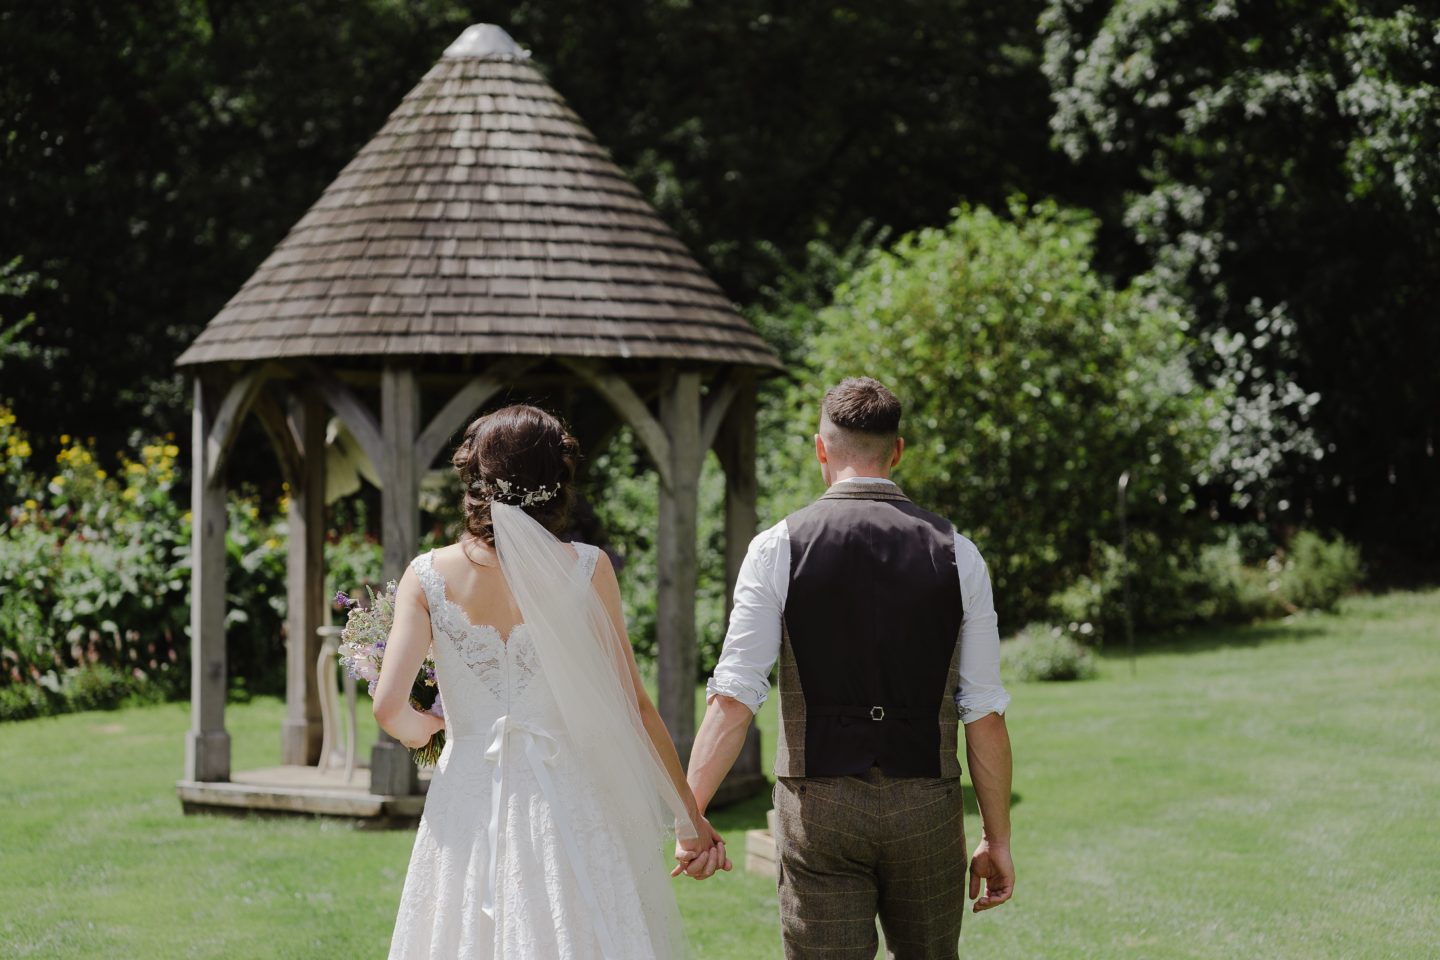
(98, 559)
(94, 687)
(1317, 573)
(24, 702)
(1030, 384)
(1179, 585)
(1046, 652)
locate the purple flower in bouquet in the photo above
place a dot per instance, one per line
(362, 652)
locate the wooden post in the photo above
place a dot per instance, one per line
(675, 555)
(391, 770)
(735, 448)
(301, 732)
(207, 745)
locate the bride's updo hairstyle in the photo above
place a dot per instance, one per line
(518, 455)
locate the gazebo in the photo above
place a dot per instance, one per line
(481, 245)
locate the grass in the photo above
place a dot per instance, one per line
(1268, 792)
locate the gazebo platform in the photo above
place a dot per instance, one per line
(292, 790)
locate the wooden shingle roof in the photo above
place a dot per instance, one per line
(483, 218)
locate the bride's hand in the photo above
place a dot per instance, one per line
(432, 726)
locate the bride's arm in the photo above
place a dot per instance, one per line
(405, 650)
(608, 589)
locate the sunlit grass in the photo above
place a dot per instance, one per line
(1267, 792)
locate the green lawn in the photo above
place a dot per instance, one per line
(1270, 792)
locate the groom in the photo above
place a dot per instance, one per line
(881, 617)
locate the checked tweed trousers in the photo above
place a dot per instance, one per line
(850, 848)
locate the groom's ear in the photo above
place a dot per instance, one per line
(899, 449)
(820, 450)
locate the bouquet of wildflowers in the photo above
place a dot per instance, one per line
(362, 651)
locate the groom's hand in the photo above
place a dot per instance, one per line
(701, 857)
(992, 864)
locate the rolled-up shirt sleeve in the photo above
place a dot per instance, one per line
(980, 691)
(752, 641)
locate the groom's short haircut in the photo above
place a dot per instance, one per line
(865, 417)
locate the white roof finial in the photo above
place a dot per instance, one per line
(485, 41)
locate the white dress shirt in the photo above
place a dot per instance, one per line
(752, 643)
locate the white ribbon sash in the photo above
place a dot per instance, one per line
(541, 749)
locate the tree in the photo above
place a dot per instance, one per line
(1278, 164)
(1030, 383)
(155, 152)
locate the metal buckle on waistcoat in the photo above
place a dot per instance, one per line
(877, 713)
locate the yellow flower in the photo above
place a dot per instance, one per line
(171, 450)
(100, 474)
(64, 438)
(31, 505)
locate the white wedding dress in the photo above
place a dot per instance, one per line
(516, 856)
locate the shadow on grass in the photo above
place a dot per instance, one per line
(1228, 636)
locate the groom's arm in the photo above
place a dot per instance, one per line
(741, 682)
(982, 700)
(987, 749)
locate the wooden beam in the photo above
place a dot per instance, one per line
(676, 556)
(281, 431)
(735, 448)
(460, 407)
(300, 733)
(207, 744)
(392, 773)
(626, 402)
(363, 425)
(716, 404)
(225, 426)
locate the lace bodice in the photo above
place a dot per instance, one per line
(482, 674)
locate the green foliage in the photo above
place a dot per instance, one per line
(1317, 573)
(626, 502)
(185, 139)
(101, 559)
(23, 702)
(104, 561)
(1171, 584)
(1277, 166)
(1045, 652)
(1030, 385)
(1180, 584)
(15, 348)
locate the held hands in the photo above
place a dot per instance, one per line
(701, 856)
(992, 864)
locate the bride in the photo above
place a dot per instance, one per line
(543, 824)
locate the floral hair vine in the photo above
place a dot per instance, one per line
(506, 492)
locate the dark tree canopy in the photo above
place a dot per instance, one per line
(154, 152)
(1278, 164)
